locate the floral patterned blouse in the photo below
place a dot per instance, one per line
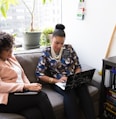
(64, 67)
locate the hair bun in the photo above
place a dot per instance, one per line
(60, 27)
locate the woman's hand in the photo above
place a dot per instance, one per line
(33, 87)
(78, 70)
(63, 79)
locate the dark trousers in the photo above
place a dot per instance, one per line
(71, 105)
(35, 106)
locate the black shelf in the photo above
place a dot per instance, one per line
(108, 63)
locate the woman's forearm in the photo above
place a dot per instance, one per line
(48, 79)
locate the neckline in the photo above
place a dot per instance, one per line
(54, 55)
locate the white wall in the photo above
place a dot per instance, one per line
(90, 37)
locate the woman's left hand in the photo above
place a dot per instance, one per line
(33, 86)
(78, 70)
(63, 79)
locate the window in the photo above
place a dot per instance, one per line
(18, 18)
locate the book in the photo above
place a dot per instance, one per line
(110, 110)
(111, 106)
(113, 78)
(110, 102)
(111, 93)
(109, 115)
(107, 81)
(111, 99)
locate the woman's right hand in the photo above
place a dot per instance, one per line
(62, 79)
(33, 87)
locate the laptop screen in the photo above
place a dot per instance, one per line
(79, 78)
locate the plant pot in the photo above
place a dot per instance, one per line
(31, 40)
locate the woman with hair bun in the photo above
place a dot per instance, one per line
(60, 60)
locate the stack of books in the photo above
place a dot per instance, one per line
(110, 104)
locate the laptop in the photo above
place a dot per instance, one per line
(76, 80)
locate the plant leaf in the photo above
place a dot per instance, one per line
(13, 2)
(5, 4)
(3, 11)
(43, 1)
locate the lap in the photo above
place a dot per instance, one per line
(17, 103)
(78, 93)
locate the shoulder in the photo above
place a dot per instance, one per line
(68, 47)
(46, 52)
(13, 58)
(47, 49)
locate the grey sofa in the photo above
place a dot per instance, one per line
(29, 62)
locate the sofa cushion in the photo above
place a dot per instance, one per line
(29, 62)
(97, 79)
(56, 100)
(92, 90)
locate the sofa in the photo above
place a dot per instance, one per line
(28, 61)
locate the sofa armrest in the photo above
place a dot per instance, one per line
(96, 81)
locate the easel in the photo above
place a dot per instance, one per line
(109, 45)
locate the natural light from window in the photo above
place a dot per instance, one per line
(18, 18)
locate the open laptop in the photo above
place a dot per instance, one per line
(85, 76)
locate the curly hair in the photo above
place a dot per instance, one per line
(6, 41)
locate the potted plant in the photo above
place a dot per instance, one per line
(46, 35)
(32, 36)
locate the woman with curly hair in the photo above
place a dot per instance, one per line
(13, 79)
